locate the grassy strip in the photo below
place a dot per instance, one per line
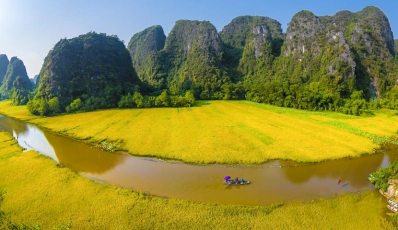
(226, 132)
(380, 140)
(40, 193)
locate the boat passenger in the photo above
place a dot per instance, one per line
(237, 180)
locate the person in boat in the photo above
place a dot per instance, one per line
(242, 181)
(236, 180)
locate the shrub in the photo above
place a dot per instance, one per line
(53, 105)
(38, 107)
(74, 106)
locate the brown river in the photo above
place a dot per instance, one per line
(276, 181)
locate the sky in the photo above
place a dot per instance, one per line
(29, 29)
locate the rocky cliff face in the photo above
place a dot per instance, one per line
(341, 46)
(193, 52)
(318, 44)
(344, 52)
(396, 47)
(249, 41)
(143, 48)
(237, 31)
(92, 67)
(3, 66)
(191, 56)
(372, 28)
(15, 70)
(189, 36)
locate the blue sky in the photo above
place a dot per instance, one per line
(30, 28)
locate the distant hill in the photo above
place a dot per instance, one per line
(34, 79)
(16, 84)
(3, 66)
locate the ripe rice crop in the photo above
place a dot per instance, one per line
(227, 132)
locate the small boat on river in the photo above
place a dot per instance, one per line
(236, 181)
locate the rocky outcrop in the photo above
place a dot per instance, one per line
(191, 57)
(237, 31)
(186, 36)
(346, 52)
(193, 53)
(3, 66)
(249, 41)
(392, 190)
(143, 48)
(262, 36)
(373, 30)
(344, 44)
(93, 67)
(309, 37)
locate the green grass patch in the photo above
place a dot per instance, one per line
(380, 140)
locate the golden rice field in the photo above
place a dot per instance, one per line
(40, 193)
(227, 132)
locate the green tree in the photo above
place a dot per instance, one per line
(163, 99)
(74, 106)
(53, 105)
(190, 98)
(138, 100)
(126, 101)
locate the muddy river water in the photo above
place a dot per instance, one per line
(276, 181)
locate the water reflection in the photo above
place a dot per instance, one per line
(270, 182)
(71, 153)
(352, 171)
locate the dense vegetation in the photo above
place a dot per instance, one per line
(346, 62)
(143, 48)
(381, 178)
(93, 68)
(341, 63)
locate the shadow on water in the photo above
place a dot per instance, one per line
(277, 181)
(83, 157)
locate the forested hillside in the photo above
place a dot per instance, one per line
(345, 62)
(143, 48)
(91, 71)
(191, 59)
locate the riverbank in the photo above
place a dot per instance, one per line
(40, 192)
(225, 132)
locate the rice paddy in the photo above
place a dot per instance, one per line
(43, 194)
(226, 132)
